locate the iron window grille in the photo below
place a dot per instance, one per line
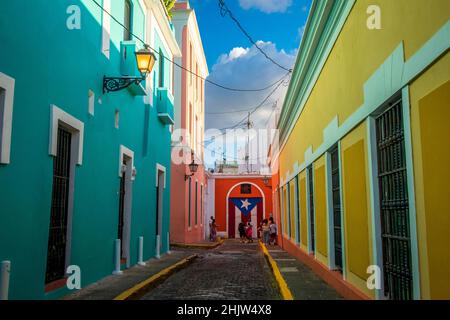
(57, 240)
(311, 208)
(394, 204)
(336, 197)
(127, 20)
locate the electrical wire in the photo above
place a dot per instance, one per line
(233, 111)
(224, 11)
(241, 122)
(180, 66)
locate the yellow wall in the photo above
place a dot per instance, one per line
(320, 206)
(436, 166)
(430, 103)
(357, 221)
(357, 54)
(303, 212)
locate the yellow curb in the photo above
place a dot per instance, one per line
(284, 289)
(198, 245)
(160, 276)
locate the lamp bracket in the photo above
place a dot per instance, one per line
(113, 84)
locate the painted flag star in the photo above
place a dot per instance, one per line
(245, 204)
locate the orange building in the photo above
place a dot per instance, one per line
(232, 198)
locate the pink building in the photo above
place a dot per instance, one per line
(188, 191)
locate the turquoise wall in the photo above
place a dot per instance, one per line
(53, 65)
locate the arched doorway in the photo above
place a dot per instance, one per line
(245, 202)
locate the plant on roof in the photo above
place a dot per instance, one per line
(169, 6)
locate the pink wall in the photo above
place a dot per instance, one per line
(180, 229)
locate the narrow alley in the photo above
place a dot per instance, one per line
(145, 141)
(233, 271)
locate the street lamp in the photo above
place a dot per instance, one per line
(193, 167)
(145, 60)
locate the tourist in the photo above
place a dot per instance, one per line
(241, 230)
(273, 230)
(265, 231)
(249, 233)
(213, 230)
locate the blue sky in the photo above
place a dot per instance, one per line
(277, 27)
(280, 24)
(234, 62)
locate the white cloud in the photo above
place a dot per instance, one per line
(245, 68)
(234, 54)
(267, 6)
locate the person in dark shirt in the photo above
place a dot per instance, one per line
(241, 230)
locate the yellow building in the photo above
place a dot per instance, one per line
(364, 150)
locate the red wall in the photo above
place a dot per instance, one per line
(223, 186)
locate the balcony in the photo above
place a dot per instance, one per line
(164, 106)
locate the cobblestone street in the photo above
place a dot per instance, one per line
(233, 271)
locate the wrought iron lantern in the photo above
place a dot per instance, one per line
(145, 61)
(266, 181)
(193, 167)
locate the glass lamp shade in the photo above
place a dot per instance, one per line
(193, 167)
(145, 61)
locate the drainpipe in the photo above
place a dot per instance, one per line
(4, 279)
(141, 252)
(117, 270)
(158, 247)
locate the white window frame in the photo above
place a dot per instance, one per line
(375, 196)
(160, 167)
(330, 210)
(7, 84)
(124, 151)
(60, 118)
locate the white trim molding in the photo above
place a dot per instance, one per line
(377, 243)
(411, 193)
(124, 151)
(7, 85)
(59, 117)
(161, 168)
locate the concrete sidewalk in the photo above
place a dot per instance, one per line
(112, 286)
(301, 280)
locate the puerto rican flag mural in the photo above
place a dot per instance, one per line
(245, 210)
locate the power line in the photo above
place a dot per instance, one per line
(224, 11)
(180, 66)
(242, 122)
(233, 111)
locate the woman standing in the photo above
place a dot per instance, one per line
(249, 232)
(265, 232)
(273, 230)
(213, 228)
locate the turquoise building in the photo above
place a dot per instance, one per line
(80, 167)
